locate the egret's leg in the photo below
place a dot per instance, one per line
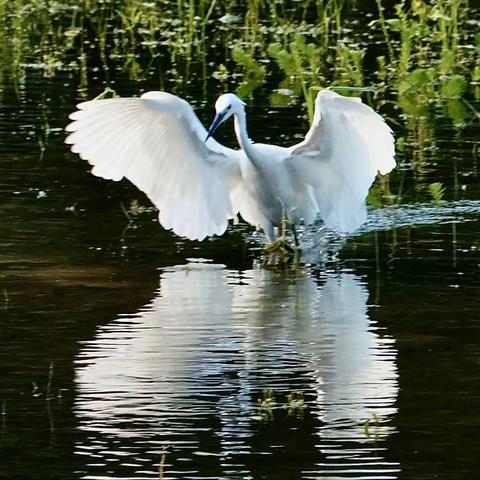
(269, 231)
(283, 228)
(285, 222)
(295, 236)
(272, 245)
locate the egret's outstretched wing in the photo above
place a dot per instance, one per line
(157, 142)
(337, 162)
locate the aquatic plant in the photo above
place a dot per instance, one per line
(437, 192)
(300, 61)
(375, 420)
(47, 393)
(295, 404)
(161, 464)
(303, 40)
(266, 403)
(253, 72)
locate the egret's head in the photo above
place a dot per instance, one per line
(225, 106)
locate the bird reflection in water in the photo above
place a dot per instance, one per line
(187, 370)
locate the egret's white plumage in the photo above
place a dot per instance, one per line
(198, 185)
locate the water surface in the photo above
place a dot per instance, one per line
(159, 347)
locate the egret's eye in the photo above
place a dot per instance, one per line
(229, 107)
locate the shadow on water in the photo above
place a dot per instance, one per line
(186, 372)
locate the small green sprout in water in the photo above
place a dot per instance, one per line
(436, 191)
(161, 465)
(376, 423)
(136, 209)
(295, 404)
(133, 212)
(221, 73)
(49, 394)
(266, 404)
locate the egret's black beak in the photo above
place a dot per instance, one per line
(216, 122)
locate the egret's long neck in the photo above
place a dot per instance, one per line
(242, 135)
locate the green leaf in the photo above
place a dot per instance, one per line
(447, 61)
(476, 74)
(454, 86)
(253, 72)
(436, 191)
(416, 80)
(458, 112)
(439, 15)
(395, 24)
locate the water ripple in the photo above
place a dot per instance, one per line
(421, 214)
(320, 244)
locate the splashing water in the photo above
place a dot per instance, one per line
(320, 244)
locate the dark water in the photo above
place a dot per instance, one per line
(160, 346)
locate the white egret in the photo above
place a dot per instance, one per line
(158, 143)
